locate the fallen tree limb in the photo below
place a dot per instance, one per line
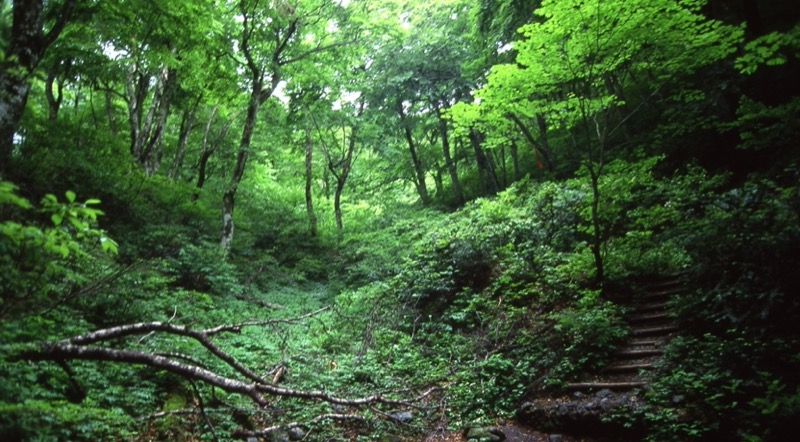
(86, 347)
(269, 430)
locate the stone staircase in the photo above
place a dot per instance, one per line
(651, 329)
(631, 368)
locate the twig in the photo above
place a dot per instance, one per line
(203, 410)
(332, 416)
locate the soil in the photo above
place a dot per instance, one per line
(515, 433)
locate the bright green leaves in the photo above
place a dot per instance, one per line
(578, 61)
(8, 196)
(37, 260)
(76, 219)
(772, 49)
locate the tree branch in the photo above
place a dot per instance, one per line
(83, 347)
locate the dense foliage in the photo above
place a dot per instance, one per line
(384, 219)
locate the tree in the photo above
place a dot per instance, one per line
(591, 66)
(268, 43)
(21, 54)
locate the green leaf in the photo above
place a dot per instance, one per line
(70, 196)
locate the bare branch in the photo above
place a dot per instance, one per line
(80, 347)
(328, 416)
(60, 351)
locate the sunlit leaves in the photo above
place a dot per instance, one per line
(772, 49)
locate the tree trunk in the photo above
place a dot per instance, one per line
(54, 98)
(597, 233)
(112, 124)
(228, 197)
(540, 147)
(187, 121)
(258, 95)
(147, 135)
(341, 180)
(501, 154)
(312, 217)
(419, 170)
(486, 174)
(515, 160)
(25, 47)
(448, 160)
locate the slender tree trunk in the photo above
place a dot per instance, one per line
(486, 173)
(147, 133)
(341, 180)
(112, 124)
(541, 123)
(540, 147)
(258, 95)
(448, 159)
(25, 47)
(419, 170)
(438, 178)
(187, 121)
(501, 153)
(312, 217)
(205, 154)
(228, 197)
(54, 99)
(597, 233)
(515, 160)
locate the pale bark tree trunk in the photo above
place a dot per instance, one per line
(419, 169)
(112, 123)
(55, 97)
(229, 196)
(448, 159)
(209, 147)
(258, 95)
(147, 133)
(312, 217)
(341, 179)
(187, 122)
(25, 47)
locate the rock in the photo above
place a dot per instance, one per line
(604, 393)
(484, 434)
(554, 438)
(590, 406)
(296, 433)
(497, 432)
(578, 395)
(402, 417)
(279, 436)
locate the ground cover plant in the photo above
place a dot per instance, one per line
(390, 219)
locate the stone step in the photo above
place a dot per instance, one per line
(605, 385)
(662, 293)
(638, 353)
(664, 282)
(628, 367)
(642, 342)
(648, 317)
(651, 306)
(654, 331)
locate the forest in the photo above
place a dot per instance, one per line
(398, 220)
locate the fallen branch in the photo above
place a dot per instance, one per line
(269, 430)
(86, 347)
